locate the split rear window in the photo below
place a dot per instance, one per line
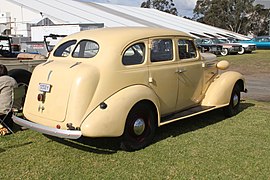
(83, 49)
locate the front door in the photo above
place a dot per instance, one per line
(190, 75)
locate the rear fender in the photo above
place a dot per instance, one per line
(110, 121)
(219, 92)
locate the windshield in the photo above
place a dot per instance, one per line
(220, 41)
(205, 41)
(233, 40)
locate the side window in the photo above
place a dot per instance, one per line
(65, 49)
(134, 54)
(259, 39)
(162, 50)
(86, 49)
(186, 49)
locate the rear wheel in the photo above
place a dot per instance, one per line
(242, 51)
(233, 108)
(140, 128)
(224, 52)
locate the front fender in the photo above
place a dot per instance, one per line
(219, 92)
(110, 122)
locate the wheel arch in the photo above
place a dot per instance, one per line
(241, 85)
(219, 92)
(110, 122)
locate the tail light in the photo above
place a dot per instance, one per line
(41, 97)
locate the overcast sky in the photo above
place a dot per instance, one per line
(184, 7)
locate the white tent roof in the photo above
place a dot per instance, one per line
(75, 11)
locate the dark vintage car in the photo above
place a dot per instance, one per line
(262, 42)
(203, 45)
(227, 48)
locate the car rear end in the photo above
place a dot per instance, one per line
(61, 90)
(233, 48)
(215, 49)
(53, 90)
(250, 47)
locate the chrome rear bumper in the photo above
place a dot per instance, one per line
(69, 134)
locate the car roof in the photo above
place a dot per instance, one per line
(262, 37)
(124, 34)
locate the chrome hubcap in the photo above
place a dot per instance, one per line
(139, 126)
(235, 100)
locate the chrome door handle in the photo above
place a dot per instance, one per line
(180, 71)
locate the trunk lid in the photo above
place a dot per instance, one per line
(53, 81)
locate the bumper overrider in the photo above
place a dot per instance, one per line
(69, 134)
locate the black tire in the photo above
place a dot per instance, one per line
(224, 52)
(233, 108)
(135, 138)
(20, 75)
(22, 78)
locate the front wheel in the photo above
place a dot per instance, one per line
(233, 108)
(140, 128)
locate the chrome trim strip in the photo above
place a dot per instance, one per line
(69, 134)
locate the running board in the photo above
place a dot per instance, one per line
(186, 113)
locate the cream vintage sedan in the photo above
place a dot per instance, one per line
(126, 82)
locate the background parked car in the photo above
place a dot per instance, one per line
(247, 47)
(205, 47)
(227, 48)
(261, 42)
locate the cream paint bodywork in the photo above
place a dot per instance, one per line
(220, 90)
(79, 85)
(190, 83)
(111, 121)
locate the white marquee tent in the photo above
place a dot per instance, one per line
(19, 14)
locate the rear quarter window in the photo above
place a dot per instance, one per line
(134, 54)
(86, 49)
(65, 49)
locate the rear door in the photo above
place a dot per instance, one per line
(163, 78)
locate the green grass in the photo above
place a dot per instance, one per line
(256, 62)
(204, 147)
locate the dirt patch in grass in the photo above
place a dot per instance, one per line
(258, 86)
(256, 69)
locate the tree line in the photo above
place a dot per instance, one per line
(240, 16)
